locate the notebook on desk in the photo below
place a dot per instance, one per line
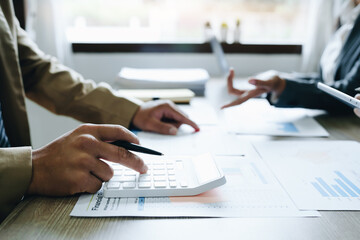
(182, 96)
(160, 78)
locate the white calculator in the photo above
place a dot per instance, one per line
(167, 176)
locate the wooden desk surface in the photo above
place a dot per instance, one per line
(48, 218)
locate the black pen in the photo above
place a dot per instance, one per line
(134, 147)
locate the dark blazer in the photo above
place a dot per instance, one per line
(304, 92)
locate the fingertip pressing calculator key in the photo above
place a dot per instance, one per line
(167, 176)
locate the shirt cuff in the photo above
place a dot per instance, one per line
(273, 98)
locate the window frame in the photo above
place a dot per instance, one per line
(233, 48)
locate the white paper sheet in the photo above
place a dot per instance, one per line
(210, 139)
(152, 76)
(200, 111)
(317, 175)
(250, 191)
(256, 116)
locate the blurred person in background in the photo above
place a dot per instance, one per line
(339, 68)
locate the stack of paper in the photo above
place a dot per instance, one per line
(176, 95)
(194, 79)
(256, 116)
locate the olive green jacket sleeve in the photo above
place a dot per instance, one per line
(15, 175)
(64, 91)
(24, 69)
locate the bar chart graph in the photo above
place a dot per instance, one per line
(258, 173)
(288, 127)
(341, 186)
(321, 175)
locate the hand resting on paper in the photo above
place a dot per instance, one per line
(275, 84)
(162, 117)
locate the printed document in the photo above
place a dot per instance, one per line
(210, 139)
(200, 111)
(256, 116)
(320, 175)
(251, 191)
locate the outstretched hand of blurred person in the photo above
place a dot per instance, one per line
(275, 85)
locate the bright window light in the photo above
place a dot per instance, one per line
(184, 21)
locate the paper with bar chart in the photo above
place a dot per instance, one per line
(317, 175)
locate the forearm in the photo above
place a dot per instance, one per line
(15, 177)
(83, 100)
(304, 93)
(64, 91)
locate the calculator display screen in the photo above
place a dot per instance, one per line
(205, 168)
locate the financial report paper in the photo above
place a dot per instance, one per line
(251, 191)
(256, 116)
(320, 175)
(200, 111)
(210, 139)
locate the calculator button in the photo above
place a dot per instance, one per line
(160, 184)
(113, 185)
(171, 172)
(172, 178)
(159, 178)
(116, 179)
(144, 179)
(128, 179)
(159, 172)
(183, 183)
(130, 173)
(170, 166)
(173, 184)
(148, 174)
(145, 185)
(129, 185)
(116, 167)
(158, 162)
(159, 167)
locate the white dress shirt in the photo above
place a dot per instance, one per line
(347, 16)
